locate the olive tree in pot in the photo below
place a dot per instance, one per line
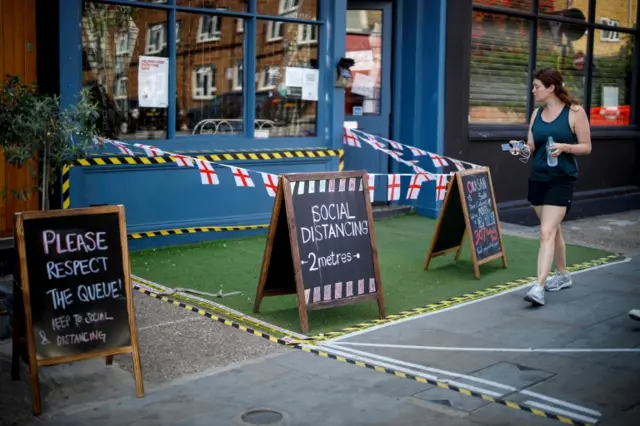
(34, 126)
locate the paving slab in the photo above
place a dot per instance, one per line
(592, 316)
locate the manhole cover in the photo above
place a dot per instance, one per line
(262, 417)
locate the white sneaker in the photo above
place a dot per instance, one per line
(635, 314)
(558, 282)
(535, 295)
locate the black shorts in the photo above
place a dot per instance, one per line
(557, 192)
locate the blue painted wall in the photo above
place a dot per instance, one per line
(418, 93)
(166, 196)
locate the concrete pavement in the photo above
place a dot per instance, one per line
(200, 372)
(586, 386)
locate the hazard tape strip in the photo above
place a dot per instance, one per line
(491, 291)
(424, 380)
(221, 156)
(194, 230)
(200, 302)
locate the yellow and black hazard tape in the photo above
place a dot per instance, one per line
(304, 348)
(468, 297)
(257, 155)
(219, 156)
(194, 230)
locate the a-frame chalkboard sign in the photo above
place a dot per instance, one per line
(321, 244)
(469, 208)
(75, 280)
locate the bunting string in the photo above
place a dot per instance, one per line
(355, 138)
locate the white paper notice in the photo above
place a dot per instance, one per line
(310, 85)
(153, 82)
(363, 85)
(293, 77)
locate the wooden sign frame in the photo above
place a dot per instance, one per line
(25, 315)
(457, 180)
(284, 194)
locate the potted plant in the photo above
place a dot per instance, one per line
(36, 130)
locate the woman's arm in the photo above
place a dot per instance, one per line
(530, 143)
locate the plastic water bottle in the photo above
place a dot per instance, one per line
(551, 161)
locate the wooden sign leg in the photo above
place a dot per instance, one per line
(109, 360)
(381, 310)
(15, 345)
(304, 319)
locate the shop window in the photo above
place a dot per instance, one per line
(209, 68)
(112, 38)
(500, 90)
(287, 83)
(209, 77)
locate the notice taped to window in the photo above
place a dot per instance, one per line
(153, 82)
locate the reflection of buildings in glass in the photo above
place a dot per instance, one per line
(209, 59)
(364, 46)
(500, 47)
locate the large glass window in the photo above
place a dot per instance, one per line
(129, 66)
(286, 79)
(501, 50)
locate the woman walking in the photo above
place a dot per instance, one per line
(558, 132)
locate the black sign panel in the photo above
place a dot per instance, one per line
(482, 216)
(334, 242)
(76, 284)
(452, 224)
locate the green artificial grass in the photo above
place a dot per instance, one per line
(234, 265)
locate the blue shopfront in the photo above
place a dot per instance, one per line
(272, 63)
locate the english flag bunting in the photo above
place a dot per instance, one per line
(242, 177)
(208, 175)
(182, 160)
(371, 186)
(122, 147)
(441, 187)
(271, 183)
(415, 185)
(417, 152)
(393, 187)
(350, 138)
(457, 163)
(438, 161)
(151, 151)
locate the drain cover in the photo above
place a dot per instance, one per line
(262, 417)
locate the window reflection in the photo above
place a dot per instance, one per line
(301, 9)
(113, 37)
(233, 5)
(287, 79)
(364, 46)
(209, 65)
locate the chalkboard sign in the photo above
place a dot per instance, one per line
(469, 209)
(75, 283)
(321, 245)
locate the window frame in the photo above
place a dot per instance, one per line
(325, 112)
(486, 131)
(209, 93)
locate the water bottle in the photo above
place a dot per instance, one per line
(551, 161)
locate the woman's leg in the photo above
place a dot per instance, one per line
(560, 252)
(551, 217)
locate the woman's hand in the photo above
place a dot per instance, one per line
(559, 148)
